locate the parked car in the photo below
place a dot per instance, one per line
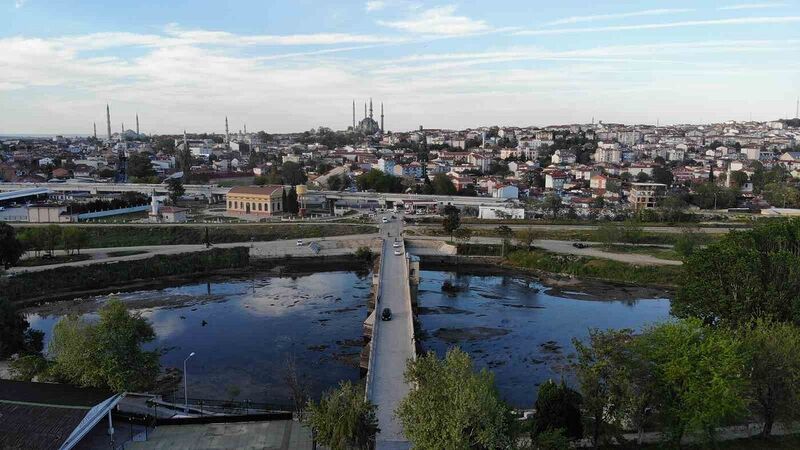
(386, 314)
(385, 220)
(299, 243)
(398, 252)
(580, 245)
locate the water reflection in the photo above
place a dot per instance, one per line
(244, 330)
(515, 327)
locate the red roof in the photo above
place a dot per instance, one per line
(255, 190)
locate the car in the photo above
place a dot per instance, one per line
(386, 314)
(385, 220)
(396, 244)
(580, 245)
(394, 217)
(398, 252)
(299, 243)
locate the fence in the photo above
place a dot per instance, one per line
(205, 406)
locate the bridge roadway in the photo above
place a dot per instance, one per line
(393, 341)
(212, 190)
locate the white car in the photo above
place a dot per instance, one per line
(299, 243)
(385, 220)
(397, 252)
(396, 244)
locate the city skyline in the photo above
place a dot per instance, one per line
(289, 68)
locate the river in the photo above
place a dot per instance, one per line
(244, 330)
(520, 329)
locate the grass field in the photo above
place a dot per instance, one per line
(47, 261)
(134, 236)
(603, 269)
(657, 252)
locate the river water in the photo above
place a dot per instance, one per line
(518, 328)
(245, 330)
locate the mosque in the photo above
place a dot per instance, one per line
(367, 125)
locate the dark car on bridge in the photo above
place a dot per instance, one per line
(386, 314)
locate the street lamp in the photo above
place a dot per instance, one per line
(185, 390)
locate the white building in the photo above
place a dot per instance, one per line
(500, 212)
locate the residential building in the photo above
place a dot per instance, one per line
(646, 195)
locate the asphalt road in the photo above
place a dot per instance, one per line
(393, 345)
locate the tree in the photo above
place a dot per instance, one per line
(50, 238)
(452, 219)
(781, 195)
(164, 144)
(176, 190)
(462, 235)
(557, 408)
(505, 233)
(292, 173)
(672, 208)
(552, 202)
(73, 239)
(272, 177)
(773, 354)
(743, 276)
(528, 236)
(442, 185)
(709, 195)
(662, 175)
(343, 418)
(15, 335)
(738, 178)
(600, 369)
(291, 204)
(106, 354)
(642, 177)
(452, 407)
(687, 242)
(700, 376)
(139, 166)
(11, 248)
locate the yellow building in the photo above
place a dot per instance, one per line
(255, 200)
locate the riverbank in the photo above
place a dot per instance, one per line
(284, 266)
(556, 283)
(32, 287)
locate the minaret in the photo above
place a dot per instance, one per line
(94, 124)
(108, 121)
(354, 115)
(382, 130)
(137, 123)
(370, 107)
(245, 129)
(365, 110)
(227, 134)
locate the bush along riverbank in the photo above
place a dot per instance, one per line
(31, 285)
(604, 269)
(134, 236)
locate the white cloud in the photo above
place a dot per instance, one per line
(751, 6)
(656, 26)
(19, 3)
(439, 21)
(375, 5)
(593, 18)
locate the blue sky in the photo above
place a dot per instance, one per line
(295, 65)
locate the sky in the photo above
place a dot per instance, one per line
(288, 66)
